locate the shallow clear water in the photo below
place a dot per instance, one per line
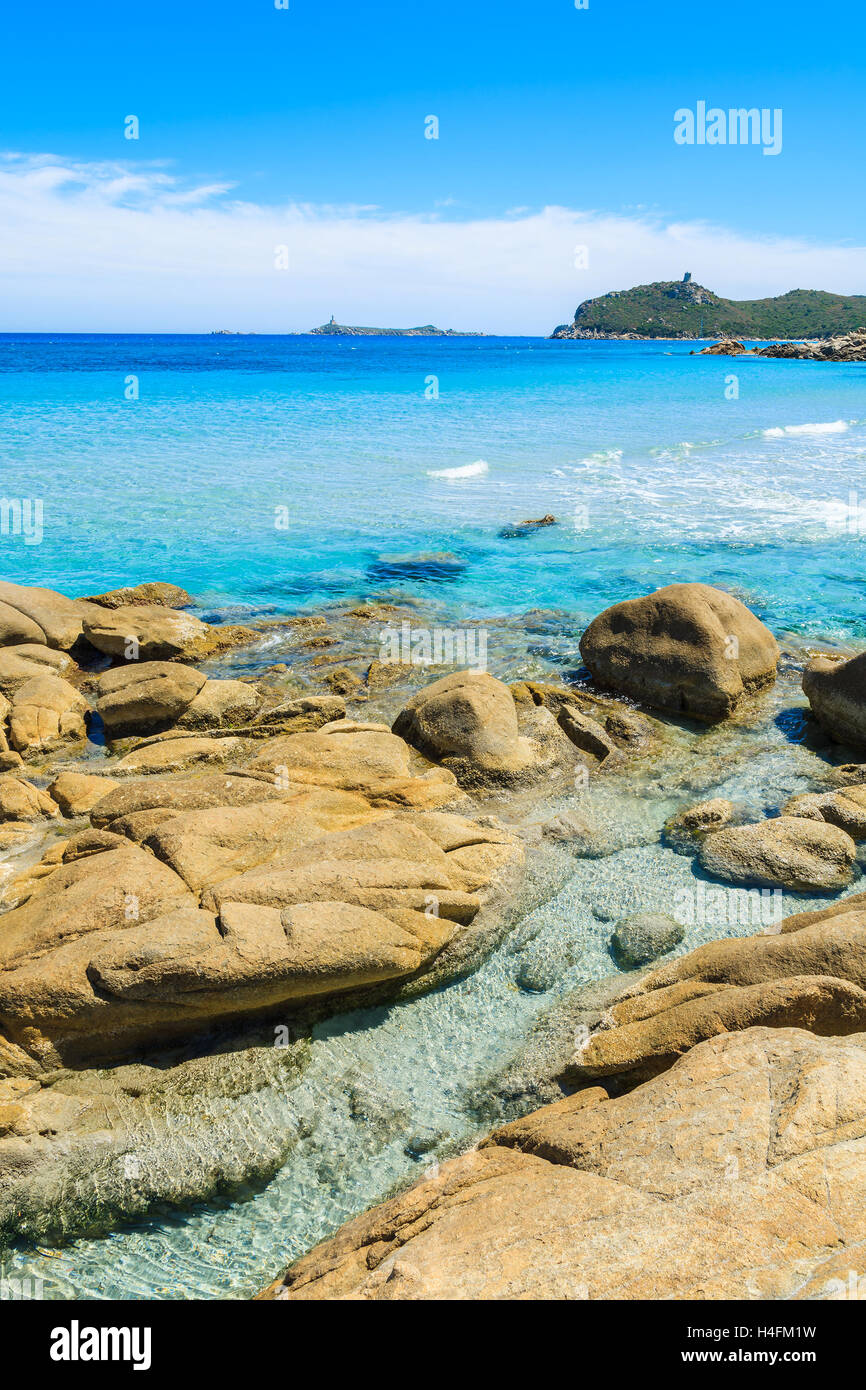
(654, 476)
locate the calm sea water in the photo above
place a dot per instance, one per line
(275, 472)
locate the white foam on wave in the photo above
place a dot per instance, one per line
(467, 470)
(832, 427)
(603, 456)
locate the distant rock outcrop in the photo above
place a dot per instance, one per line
(343, 330)
(847, 347)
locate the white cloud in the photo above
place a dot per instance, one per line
(112, 247)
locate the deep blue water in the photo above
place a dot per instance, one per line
(276, 472)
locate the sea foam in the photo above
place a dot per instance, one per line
(832, 427)
(467, 470)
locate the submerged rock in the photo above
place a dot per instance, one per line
(527, 528)
(84, 1150)
(684, 831)
(643, 937)
(687, 648)
(438, 565)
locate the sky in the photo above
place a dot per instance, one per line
(282, 171)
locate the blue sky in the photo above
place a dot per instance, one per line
(540, 105)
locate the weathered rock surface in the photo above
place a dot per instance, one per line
(146, 632)
(356, 756)
(20, 664)
(164, 595)
(836, 691)
(738, 1174)
(76, 793)
(172, 753)
(728, 347)
(158, 695)
(150, 694)
(221, 704)
(46, 711)
(687, 648)
(21, 801)
(41, 616)
(468, 721)
(302, 715)
(845, 808)
(792, 852)
(599, 726)
(201, 899)
(843, 347)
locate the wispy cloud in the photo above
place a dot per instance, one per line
(114, 247)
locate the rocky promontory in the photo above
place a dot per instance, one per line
(684, 309)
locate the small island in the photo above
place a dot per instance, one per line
(342, 330)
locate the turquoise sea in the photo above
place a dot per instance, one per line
(658, 466)
(274, 472)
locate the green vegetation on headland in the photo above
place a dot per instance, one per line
(682, 309)
(334, 329)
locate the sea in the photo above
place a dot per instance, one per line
(275, 473)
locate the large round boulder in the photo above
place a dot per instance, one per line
(29, 614)
(687, 648)
(836, 690)
(468, 721)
